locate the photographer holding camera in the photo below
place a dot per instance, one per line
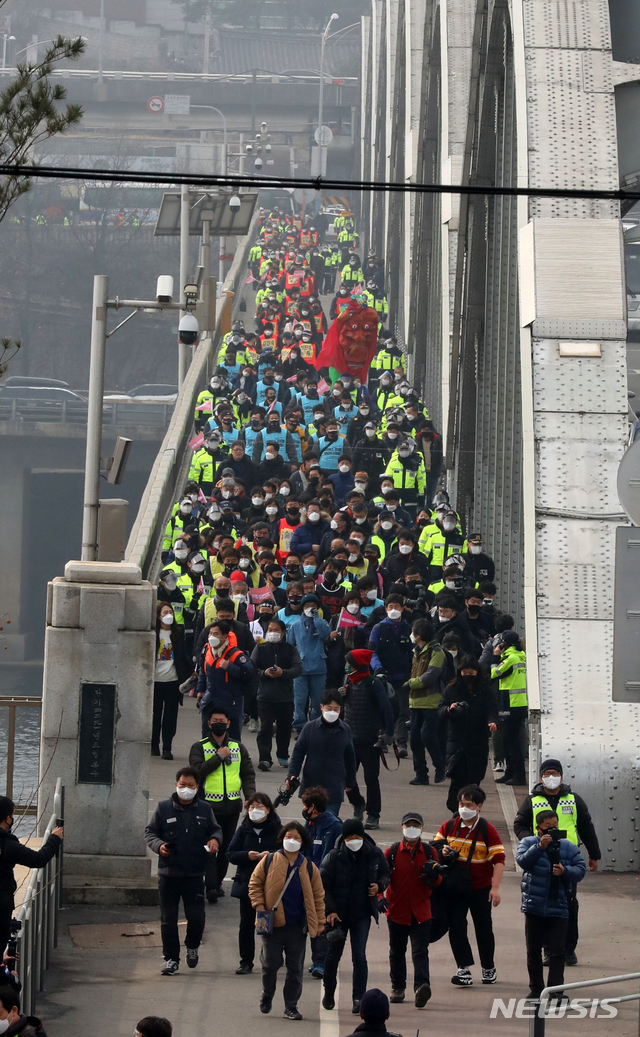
(367, 712)
(551, 866)
(470, 712)
(13, 852)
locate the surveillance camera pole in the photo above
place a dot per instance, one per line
(93, 461)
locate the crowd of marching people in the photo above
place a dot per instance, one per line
(318, 586)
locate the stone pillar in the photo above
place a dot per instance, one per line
(96, 727)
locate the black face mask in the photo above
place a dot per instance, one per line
(218, 728)
(276, 581)
(223, 593)
(330, 579)
(295, 602)
(292, 569)
(268, 379)
(307, 813)
(293, 512)
(332, 435)
(473, 610)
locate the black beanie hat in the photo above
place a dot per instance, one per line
(352, 827)
(547, 764)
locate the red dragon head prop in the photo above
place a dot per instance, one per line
(351, 341)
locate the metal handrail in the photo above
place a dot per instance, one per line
(38, 916)
(537, 1022)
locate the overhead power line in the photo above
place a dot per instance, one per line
(317, 183)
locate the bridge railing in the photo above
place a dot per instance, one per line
(38, 917)
(125, 413)
(166, 474)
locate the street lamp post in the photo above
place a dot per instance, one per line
(5, 37)
(212, 108)
(101, 44)
(321, 98)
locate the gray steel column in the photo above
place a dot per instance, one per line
(94, 418)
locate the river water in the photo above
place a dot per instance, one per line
(24, 681)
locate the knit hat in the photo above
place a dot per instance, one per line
(237, 576)
(310, 599)
(551, 765)
(352, 827)
(374, 1006)
(360, 658)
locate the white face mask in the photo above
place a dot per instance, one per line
(334, 524)
(167, 619)
(412, 638)
(197, 567)
(171, 582)
(309, 611)
(273, 636)
(353, 607)
(238, 597)
(353, 558)
(394, 613)
(361, 521)
(405, 549)
(451, 584)
(185, 509)
(475, 549)
(244, 563)
(411, 833)
(257, 813)
(272, 511)
(361, 486)
(291, 845)
(269, 456)
(180, 553)
(449, 525)
(268, 496)
(313, 516)
(452, 651)
(552, 782)
(372, 595)
(214, 641)
(344, 468)
(330, 715)
(386, 525)
(392, 435)
(186, 793)
(370, 432)
(354, 844)
(284, 491)
(226, 494)
(467, 814)
(403, 452)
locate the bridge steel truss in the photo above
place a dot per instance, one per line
(488, 295)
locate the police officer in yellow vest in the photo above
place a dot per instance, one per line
(574, 819)
(227, 779)
(510, 670)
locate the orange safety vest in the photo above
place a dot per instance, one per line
(266, 342)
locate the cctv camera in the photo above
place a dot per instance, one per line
(188, 330)
(234, 203)
(249, 148)
(267, 148)
(164, 288)
(258, 163)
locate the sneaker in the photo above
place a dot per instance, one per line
(192, 957)
(571, 958)
(397, 997)
(244, 970)
(355, 1007)
(440, 775)
(212, 896)
(489, 975)
(515, 781)
(372, 822)
(265, 1004)
(328, 1001)
(545, 960)
(498, 766)
(292, 1013)
(423, 994)
(419, 781)
(283, 762)
(265, 765)
(462, 978)
(503, 780)
(167, 754)
(155, 750)
(253, 726)
(317, 971)
(170, 968)
(358, 813)
(402, 752)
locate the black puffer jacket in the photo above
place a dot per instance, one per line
(287, 657)
(185, 827)
(347, 876)
(248, 837)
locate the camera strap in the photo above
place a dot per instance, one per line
(397, 756)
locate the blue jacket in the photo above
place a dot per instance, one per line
(225, 687)
(342, 485)
(537, 894)
(186, 827)
(307, 534)
(310, 643)
(328, 756)
(392, 649)
(325, 830)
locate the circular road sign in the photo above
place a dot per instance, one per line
(323, 136)
(155, 104)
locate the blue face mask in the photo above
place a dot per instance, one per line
(309, 570)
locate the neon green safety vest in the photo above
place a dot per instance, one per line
(566, 810)
(513, 665)
(225, 780)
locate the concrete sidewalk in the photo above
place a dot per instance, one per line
(105, 982)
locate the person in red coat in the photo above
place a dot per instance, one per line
(414, 873)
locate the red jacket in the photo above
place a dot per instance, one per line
(406, 893)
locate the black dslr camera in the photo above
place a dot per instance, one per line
(285, 794)
(15, 925)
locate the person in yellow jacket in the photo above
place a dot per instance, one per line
(510, 669)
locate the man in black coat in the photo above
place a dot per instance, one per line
(323, 753)
(353, 874)
(368, 713)
(13, 852)
(183, 832)
(470, 711)
(278, 664)
(448, 617)
(374, 1012)
(241, 466)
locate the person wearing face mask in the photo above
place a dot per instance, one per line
(12, 1023)
(206, 460)
(256, 836)
(324, 829)
(192, 586)
(359, 422)
(182, 521)
(184, 833)
(290, 885)
(370, 452)
(168, 593)
(387, 396)
(425, 687)
(474, 884)
(273, 434)
(553, 793)
(13, 852)
(480, 566)
(510, 670)
(328, 589)
(407, 901)
(226, 777)
(292, 611)
(470, 714)
(342, 480)
(404, 555)
(311, 529)
(309, 634)
(274, 465)
(354, 873)
(324, 753)
(406, 468)
(238, 465)
(385, 533)
(480, 621)
(440, 545)
(278, 664)
(171, 669)
(225, 673)
(393, 656)
(368, 713)
(449, 618)
(215, 391)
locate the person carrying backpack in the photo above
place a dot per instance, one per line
(472, 884)
(367, 712)
(415, 872)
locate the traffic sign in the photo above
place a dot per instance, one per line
(155, 105)
(323, 136)
(177, 104)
